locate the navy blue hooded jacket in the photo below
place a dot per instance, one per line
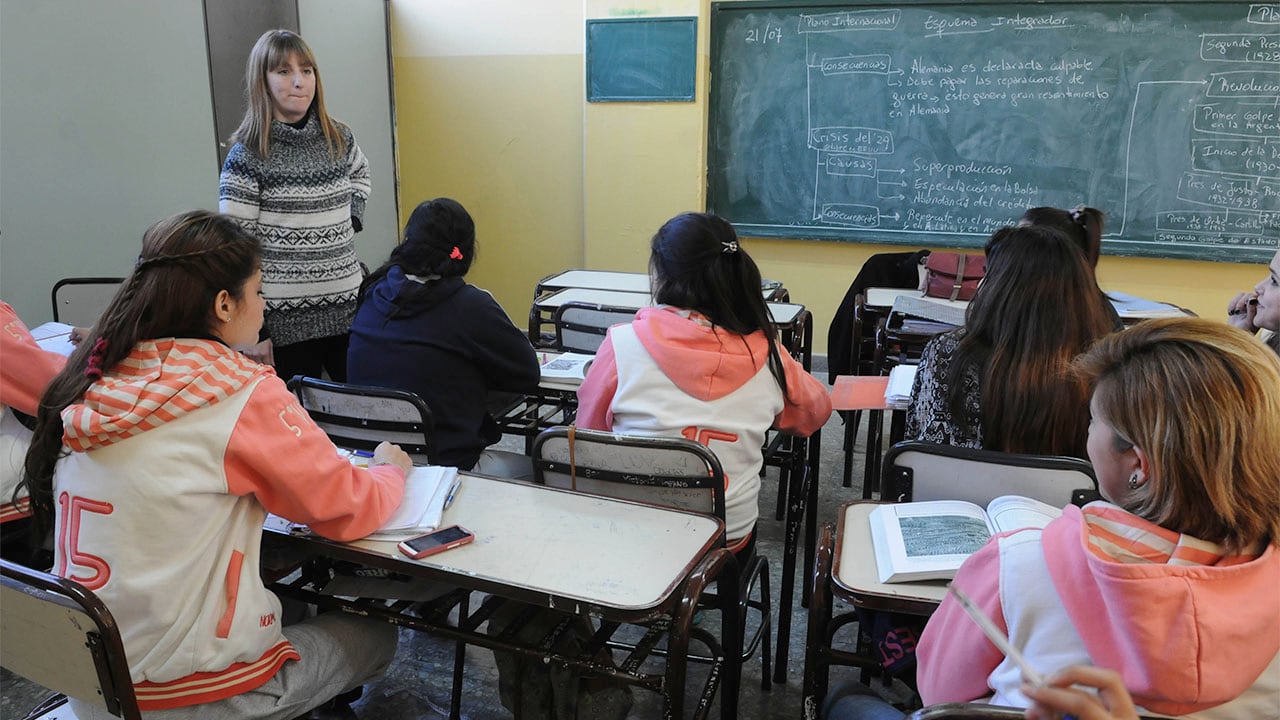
(449, 342)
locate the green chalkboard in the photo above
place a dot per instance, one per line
(936, 123)
(642, 59)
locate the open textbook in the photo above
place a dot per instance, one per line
(930, 540)
(569, 366)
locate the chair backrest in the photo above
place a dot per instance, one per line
(674, 472)
(79, 301)
(57, 634)
(917, 471)
(580, 327)
(361, 416)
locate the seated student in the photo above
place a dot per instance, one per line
(158, 452)
(25, 371)
(1171, 581)
(1000, 381)
(420, 327)
(1083, 225)
(1259, 310)
(705, 364)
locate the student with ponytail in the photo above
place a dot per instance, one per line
(421, 327)
(158, 452)
(1082, 225)
(705, 363)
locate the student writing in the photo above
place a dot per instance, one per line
(158, 451)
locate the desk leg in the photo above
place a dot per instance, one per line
(811, 514)
(851, 420)
(797, 494)
(817, 668)
(459, 662)
(721, 566)
(871, 467)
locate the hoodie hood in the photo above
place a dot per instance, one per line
(1165, 609)
(398, 295)
(702, 360)
(159, 381)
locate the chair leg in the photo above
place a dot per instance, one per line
(766, 629)
(851, 420)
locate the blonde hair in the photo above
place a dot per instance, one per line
(1202, 400)
(270, 52)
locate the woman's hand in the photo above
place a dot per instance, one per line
(1241, 311)
(262, 353)
(388, 454)
(1056, 698)
(78, 334)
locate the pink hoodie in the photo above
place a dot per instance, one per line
(1187, 627)
(706, 363)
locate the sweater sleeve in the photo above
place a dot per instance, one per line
(595, 395)
(954, 657)
(506, 359)
(239, 192)
(360, 182)
(277, 453)
(25, 368)
(807, 406)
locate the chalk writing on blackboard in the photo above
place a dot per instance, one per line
(939, 124)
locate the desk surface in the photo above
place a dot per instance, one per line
(542, 541)
(854, 568)
(620, 280)
(784, 314)
(1129, 307)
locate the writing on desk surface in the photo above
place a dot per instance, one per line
(942, 123)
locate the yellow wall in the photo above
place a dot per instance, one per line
(491, 110)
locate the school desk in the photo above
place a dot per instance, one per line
(845, 569)
(624, 281)
(618, 561)
(1130, 308)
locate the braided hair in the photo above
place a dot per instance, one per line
(696, 263)
(186, 260)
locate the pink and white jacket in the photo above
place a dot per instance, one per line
(670, 373)
(1194, 632)
(176, 457)
(25, 371)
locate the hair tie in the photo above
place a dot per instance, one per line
(1077, 215)
(455, 254)
(730, 246)
(93, 370)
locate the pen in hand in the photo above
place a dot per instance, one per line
(453, 491)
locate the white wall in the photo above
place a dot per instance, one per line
(106, 124)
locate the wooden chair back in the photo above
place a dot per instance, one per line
(56, 633)
(915, 470)
(359, 417)
(79, 301)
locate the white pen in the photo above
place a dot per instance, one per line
(453, 490)
(998, 638)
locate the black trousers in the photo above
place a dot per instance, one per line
(313, 358)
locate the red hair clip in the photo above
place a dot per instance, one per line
(456, 254)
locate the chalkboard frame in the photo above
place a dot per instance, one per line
(1113, 243)
(679, 31)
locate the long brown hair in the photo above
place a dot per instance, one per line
(270, 52)
(1202, 400)
(1038, 307)
(186, 260)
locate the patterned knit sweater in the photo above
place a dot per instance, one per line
(300, 201)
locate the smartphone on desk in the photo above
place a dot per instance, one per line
(436, 541)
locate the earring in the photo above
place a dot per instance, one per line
(1133, 481)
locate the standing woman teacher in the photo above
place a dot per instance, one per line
(297, 180)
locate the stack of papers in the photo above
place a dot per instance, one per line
(54, 337)
(1131, 306)
(940, 311)
(897, 395)
(421, 509)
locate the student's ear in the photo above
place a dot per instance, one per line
(223, 304)
(1143, 466)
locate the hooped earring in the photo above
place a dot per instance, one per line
(1133, 480)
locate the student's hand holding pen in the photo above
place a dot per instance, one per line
(1241, 311)
(388, 454)
(1057, 699)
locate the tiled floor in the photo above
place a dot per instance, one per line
(417, 685)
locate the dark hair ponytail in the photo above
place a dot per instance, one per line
(186, 261)
(439, 239)
(1083, 225)
(696, 263)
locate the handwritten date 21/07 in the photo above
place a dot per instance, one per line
(770, 33)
